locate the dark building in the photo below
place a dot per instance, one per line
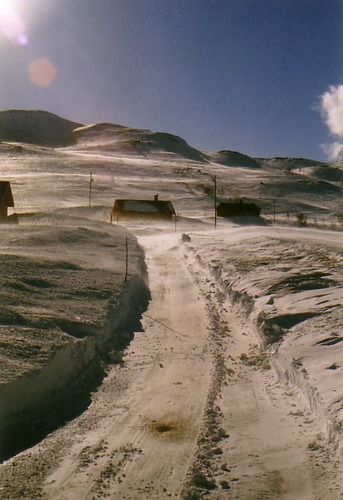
(143, 209)
(6, 199)
(238, 209)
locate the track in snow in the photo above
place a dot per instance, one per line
(143, 447)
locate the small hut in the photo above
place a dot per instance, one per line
(238, 209)
(143, 209)
(6, 199)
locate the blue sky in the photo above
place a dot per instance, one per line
(262, 77)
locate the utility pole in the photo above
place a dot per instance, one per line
(90, 188)
(214, 179)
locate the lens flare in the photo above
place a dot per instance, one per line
(42, 72)
(12, 24)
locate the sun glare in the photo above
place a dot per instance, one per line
(42, 72)
(11, 24)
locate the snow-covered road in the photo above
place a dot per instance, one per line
(142, 447)
(194, 410)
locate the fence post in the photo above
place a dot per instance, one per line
(90, 189)
(126, 258)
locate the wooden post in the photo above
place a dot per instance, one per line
(126, 258)
(214, 179)
(90, 188)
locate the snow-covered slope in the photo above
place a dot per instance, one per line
(36, 127)
(66, 303)
(233, 158)
(290, 164)
(291, 287)
(111, 138)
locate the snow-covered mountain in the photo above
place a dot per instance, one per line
(282, 184)
(233, 158)
(48, 129)
(111, 138)
(36, 127)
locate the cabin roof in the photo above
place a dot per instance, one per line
(144, 206)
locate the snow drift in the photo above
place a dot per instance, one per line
(66, 311)
(292, 290)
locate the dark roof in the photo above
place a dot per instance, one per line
(6, 197)
(152, 207)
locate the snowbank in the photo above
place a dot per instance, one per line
(66, 311)
(291, 288)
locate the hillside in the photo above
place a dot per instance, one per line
(36, 127)
(47, 129)
(111, 138)
(233, 158)
(280, 185)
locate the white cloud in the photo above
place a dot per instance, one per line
(331, 108)
(334, 150)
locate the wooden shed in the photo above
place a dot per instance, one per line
(6, 199)
(143, 209)
(238, 209)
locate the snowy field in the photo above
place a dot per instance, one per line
(210, 367)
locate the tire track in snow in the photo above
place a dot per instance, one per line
(143, 446)
(259, 439)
